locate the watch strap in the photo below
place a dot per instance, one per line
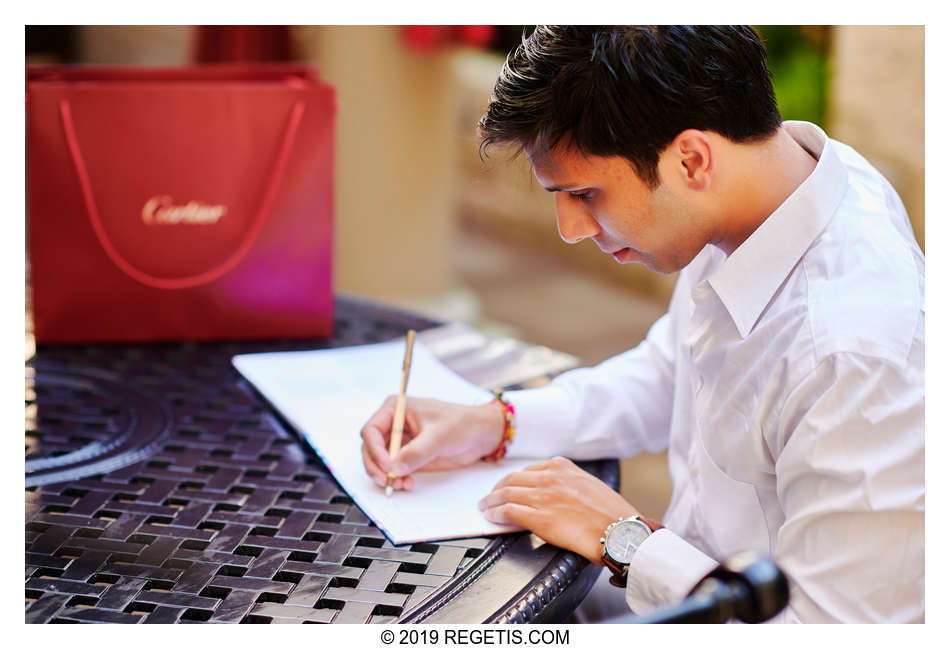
(652, 523)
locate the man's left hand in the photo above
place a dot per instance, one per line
(560, 502)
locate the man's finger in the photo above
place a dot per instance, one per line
(375, 472)
(376, 433)
(374, 442)
(518, 495)
(513, 514)
(420, 450)
(556, 462)
(535, 479)
(381, 477)
(382, 419)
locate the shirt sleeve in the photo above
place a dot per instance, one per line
(663, 571)
(616, 409)
(850, 479)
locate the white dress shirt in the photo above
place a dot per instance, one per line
(787, 381)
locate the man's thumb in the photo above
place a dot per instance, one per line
(417, 453)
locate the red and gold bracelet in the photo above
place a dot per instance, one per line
(509, 412)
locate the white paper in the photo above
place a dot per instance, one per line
(328, 395)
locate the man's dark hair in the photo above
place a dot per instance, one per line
(630, 90)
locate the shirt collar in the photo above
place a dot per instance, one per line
(750, 276)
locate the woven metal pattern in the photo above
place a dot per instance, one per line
(218, 514)
(88, 424)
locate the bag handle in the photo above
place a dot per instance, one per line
(202, 278)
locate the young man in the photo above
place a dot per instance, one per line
(786, 380)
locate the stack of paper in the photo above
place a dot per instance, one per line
(328, 395)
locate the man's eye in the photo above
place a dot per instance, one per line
(583, 196)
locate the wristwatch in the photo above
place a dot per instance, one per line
(621, 540)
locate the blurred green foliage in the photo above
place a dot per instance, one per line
(797, 59)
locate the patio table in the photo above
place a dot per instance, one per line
(161, 488)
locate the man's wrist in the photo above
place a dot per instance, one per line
(599, 522)
(508, 427)
(493, 425)
(631, 531)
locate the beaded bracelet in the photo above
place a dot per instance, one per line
(509, 435)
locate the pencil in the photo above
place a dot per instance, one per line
(399, 418)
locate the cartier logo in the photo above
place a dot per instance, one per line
(159, 210)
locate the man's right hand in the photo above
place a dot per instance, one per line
(437, 436)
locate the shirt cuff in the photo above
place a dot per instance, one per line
(544, 421)
(663, 571)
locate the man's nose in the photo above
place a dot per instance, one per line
(574, 224)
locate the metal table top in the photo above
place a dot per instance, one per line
(160, 487)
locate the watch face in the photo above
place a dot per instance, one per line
(624, 539)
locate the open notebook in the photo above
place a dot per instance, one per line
(328, 395)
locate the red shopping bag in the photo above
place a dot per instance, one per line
(180, 203)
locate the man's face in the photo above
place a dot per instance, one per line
(603, 199)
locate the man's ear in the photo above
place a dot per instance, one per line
(693, 152)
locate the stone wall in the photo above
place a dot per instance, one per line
(136, 44)
(395, 186)
(877, 105)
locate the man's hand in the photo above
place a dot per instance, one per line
(437, 436)
(561, 503)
